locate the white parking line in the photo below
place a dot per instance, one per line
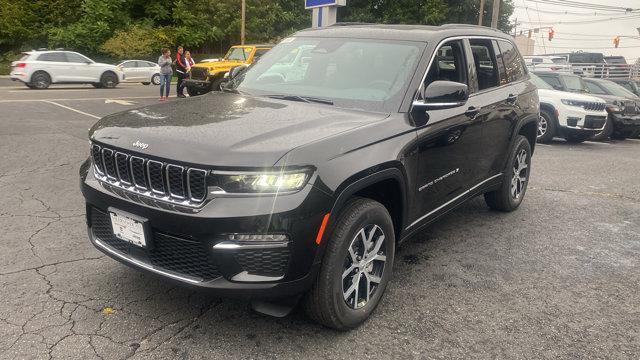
(83, 99)
(57, 90)
(72, 109)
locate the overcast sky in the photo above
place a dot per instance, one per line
(593, 36)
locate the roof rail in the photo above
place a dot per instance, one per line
(349, 23)
(453, 26)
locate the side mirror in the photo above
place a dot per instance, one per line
(236, 70)
(443, 95)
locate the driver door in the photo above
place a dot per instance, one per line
(450, 142)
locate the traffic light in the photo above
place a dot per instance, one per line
(616, 41)
(551, 33)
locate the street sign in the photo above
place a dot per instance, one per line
(310, 4)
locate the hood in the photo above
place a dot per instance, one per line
(557, 94)
(221, 64)
(610, 99)
(224, 129)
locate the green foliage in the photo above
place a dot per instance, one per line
(138, 41)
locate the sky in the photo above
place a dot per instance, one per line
(589, 36)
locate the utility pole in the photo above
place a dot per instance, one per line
(495, 14)
(481, 14)
(242, 21)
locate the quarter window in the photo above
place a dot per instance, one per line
(485, 63)
(129, 64)
(513, 65)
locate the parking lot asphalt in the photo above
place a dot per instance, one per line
(559, 278)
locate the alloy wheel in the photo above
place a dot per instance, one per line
(520, 174)
(364, 266)
(542, 126)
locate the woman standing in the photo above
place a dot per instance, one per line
(165, 73)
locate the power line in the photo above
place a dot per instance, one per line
(575, 21)
(595, 13)
(583, 5)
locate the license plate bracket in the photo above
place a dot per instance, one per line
(131, 228)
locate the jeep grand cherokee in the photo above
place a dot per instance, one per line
(299, 183)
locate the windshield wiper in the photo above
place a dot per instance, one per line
(305, 99)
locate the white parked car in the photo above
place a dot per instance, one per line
(547, 63)
(575, 117)
(142, 71)
(39, 69)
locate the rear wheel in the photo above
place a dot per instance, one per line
(40, 80)
(514, 180)
(155, 79)
(356, 268)
(546, 127)
(109, 80)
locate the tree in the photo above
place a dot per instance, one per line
(138, 41)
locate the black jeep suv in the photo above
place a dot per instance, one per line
(301, 178)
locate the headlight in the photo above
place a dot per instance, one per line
(571, 102)
(266, 183)
(212, 73)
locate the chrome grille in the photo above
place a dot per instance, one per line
(595, 106)
(160, 181)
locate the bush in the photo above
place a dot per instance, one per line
(138, 41)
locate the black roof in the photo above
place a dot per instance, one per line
(401, 32)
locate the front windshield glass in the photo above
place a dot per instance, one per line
(541, 84)
(616, 89)
(350, 73)
(574, 83)
(238, 54)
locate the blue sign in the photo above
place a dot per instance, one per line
(308, 4)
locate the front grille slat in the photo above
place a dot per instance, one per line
(176, 185)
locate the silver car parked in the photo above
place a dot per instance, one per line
(142, 71)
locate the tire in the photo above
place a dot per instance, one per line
(193, 92)
(325, 302)
(216, 84)
(109, 80)
(619, 135)
(577, 138)
(30, 86)
(546, 127)
(504, 198)
(606, 132)
(155, 79)
(146, 83)
(97, 85)
(40, 80)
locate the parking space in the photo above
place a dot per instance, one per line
(557, 278)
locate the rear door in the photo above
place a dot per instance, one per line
(56, 65)
(450, 142)
(145, 70)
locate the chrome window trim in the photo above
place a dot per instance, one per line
(106, 172)
(149, 162)
(133, 178)
(126, 161)
(206, 190)
(169, 180)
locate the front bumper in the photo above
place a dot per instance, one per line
(194, 248)
(577, 120)
(200, 85)
(625, 123)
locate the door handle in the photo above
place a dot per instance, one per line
(472, 112)
(512, 98)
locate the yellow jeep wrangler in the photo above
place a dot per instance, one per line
(209, 76)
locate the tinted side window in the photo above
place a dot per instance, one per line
(512, 63)
(595, 89)
(54, 56)
(553, 81)
(500, 61)
(75, 58)
(129, 64)
(485, 63)
(448, 64)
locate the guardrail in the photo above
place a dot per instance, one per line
(593, 70)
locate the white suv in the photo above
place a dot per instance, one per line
(575, 117)
(39, 69)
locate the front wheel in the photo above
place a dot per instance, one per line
(356, 268)
(514, 180)
(108, 80)
(155, 79)
(193, 92)
(546, 127)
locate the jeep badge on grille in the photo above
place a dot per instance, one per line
(140, 145)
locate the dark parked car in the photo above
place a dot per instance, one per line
(629, 84)
(297, 187)
(623, 107)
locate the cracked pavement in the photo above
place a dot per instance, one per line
(559, 278)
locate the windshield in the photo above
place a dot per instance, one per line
(351, 73)
(574, 83)
(238, 54)
(559, 60)
(616, 89)
(541, 84)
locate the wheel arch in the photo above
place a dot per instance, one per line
(528, 127)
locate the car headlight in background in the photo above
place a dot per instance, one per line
(572, 102)
(256, 183)
(613, 109)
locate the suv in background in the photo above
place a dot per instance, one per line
(547, 63)
(575, 117)
(563, 82)
(40, 69)
(281, 189)
(209, 76)
(623, 107)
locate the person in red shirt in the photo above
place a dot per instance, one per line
(181, 71)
